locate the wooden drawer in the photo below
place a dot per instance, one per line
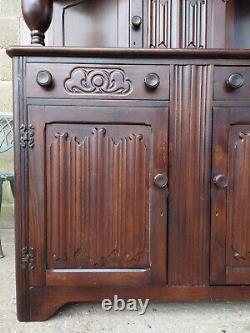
(54, 80)
(232, 83)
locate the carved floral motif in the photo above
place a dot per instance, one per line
(111, 81)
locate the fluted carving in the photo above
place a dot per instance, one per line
(97, 214)
(160, 23)
(194, 16)
(189, 177)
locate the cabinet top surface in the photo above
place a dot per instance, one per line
(128, 53)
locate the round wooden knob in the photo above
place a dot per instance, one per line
(44, 78)
(235, 81)
(136, 21)
(220, 181)
(161, 180)
(152, 80)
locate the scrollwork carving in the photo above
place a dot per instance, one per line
(98, 81)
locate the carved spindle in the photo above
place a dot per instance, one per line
(37, 15)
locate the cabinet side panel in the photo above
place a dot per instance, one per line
(189, 200)
(21, 218)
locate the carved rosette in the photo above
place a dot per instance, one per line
(102, 81)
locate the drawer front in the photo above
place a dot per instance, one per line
(100, 82)
(232, 83)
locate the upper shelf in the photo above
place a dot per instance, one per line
(140, 23)
(35, 51)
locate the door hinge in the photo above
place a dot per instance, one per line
(28, 258)
(27, 136)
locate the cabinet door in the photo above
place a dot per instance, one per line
(230, 257)
(120, 23)
(98, 195)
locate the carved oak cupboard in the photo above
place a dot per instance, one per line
(132, 165)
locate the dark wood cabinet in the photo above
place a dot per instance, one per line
(97, 175)
(161, 23)
(230, 262)
(140, 23)
(132, 162)
(132, 174)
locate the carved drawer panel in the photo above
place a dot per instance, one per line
(98, 81)
(232, 83)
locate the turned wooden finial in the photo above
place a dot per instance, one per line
(37, 15)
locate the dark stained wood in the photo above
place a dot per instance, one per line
(193, 22)
(102, 210)
(189, 174)
(37, 15)
(134, 54)
(132, 160)
(223, 89)
(91, 163)
(163, 23)
(21, 229)
(112, 29)
(101, 82)
(67, 167)
(47, 301)
(230, 261)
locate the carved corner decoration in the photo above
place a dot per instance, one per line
(101, 81)
(28, 258)
(27, 136)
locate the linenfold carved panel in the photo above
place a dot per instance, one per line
(194, 16)
(160, 21)
(239, 194)
(111, 81)
(98, 201)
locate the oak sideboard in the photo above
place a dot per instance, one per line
(132, 164)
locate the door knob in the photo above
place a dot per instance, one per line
(152, 80)
(44, 78)
(161, 180)
(220, 181)
(136, 21)
(235, 81)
